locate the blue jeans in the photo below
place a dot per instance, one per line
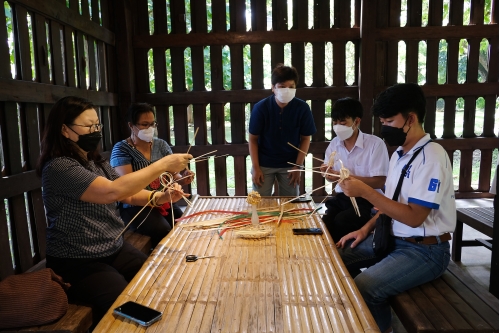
(407, 266)
(281, 175)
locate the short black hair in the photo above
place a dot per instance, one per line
(400, 98)
(282, 73)
(347, 108)
(135, 111)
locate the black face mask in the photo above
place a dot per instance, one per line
(88, 142)
(394, 136)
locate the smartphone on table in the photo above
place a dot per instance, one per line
(307, 231)
(301, 200)
(139, 313)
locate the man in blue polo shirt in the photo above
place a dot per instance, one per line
(275, 121)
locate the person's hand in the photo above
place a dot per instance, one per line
(353, 187)
(173, 194)
(257, 177)
(176, 162)
(323, 167)
(294, 176)
(329, 174)
(185, 177)
(358, 236)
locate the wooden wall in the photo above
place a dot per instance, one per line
(375, 36)
(103, 55)
(62, 39)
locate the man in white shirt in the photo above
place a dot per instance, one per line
(366, 158)
(422, 217)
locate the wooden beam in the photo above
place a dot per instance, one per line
(241, 149)
(324, 93)
(455, 90)
(243, 96)
(33, 92)
(55, 10)
(436, 32)
(250, 37)
(19, 184)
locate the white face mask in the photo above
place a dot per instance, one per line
(146, 134)
(284, 95)
(343, 132)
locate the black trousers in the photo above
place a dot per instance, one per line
(98, 281)
(155, 226)
(341, 218)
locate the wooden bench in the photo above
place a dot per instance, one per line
(455, 302)
(482, 220)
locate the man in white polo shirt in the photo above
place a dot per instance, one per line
(422, 217)
(366, 158)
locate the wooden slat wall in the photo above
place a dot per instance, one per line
(26, 99)
(375, 36)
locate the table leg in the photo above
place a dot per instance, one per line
(456, 245)
(494, 251)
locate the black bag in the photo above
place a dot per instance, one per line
(383, 242)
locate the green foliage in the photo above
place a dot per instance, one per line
(10, 37)
(226, 53)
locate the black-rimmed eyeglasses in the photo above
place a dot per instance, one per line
(92, 128)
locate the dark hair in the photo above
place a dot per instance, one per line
(282, 73)
(135, 110)
(54, 144)
(400, 98)
(347, 108)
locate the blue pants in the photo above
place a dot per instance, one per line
(281, 175)
(407, 266)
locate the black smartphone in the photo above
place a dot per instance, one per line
(139, 313)
(307, 231)
(299, 200)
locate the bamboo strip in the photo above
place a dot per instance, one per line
(261, 307)
(201, 298)
(214, 293)
(173, 293)
(302, 299)
(329, 300)
(278, 308)
(183, 306)
(227, 313)
(292, 283)
(239, 305)
(259, 274)
(253, 319)
(245, 310)
(346, 314)
(171, 243)
(305, 261)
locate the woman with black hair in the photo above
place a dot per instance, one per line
(80, 191)
(137, 152)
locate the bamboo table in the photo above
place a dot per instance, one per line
(283, 283)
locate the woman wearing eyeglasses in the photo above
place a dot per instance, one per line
(80, 190)
(136, 152)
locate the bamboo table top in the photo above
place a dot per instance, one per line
(282, 283)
